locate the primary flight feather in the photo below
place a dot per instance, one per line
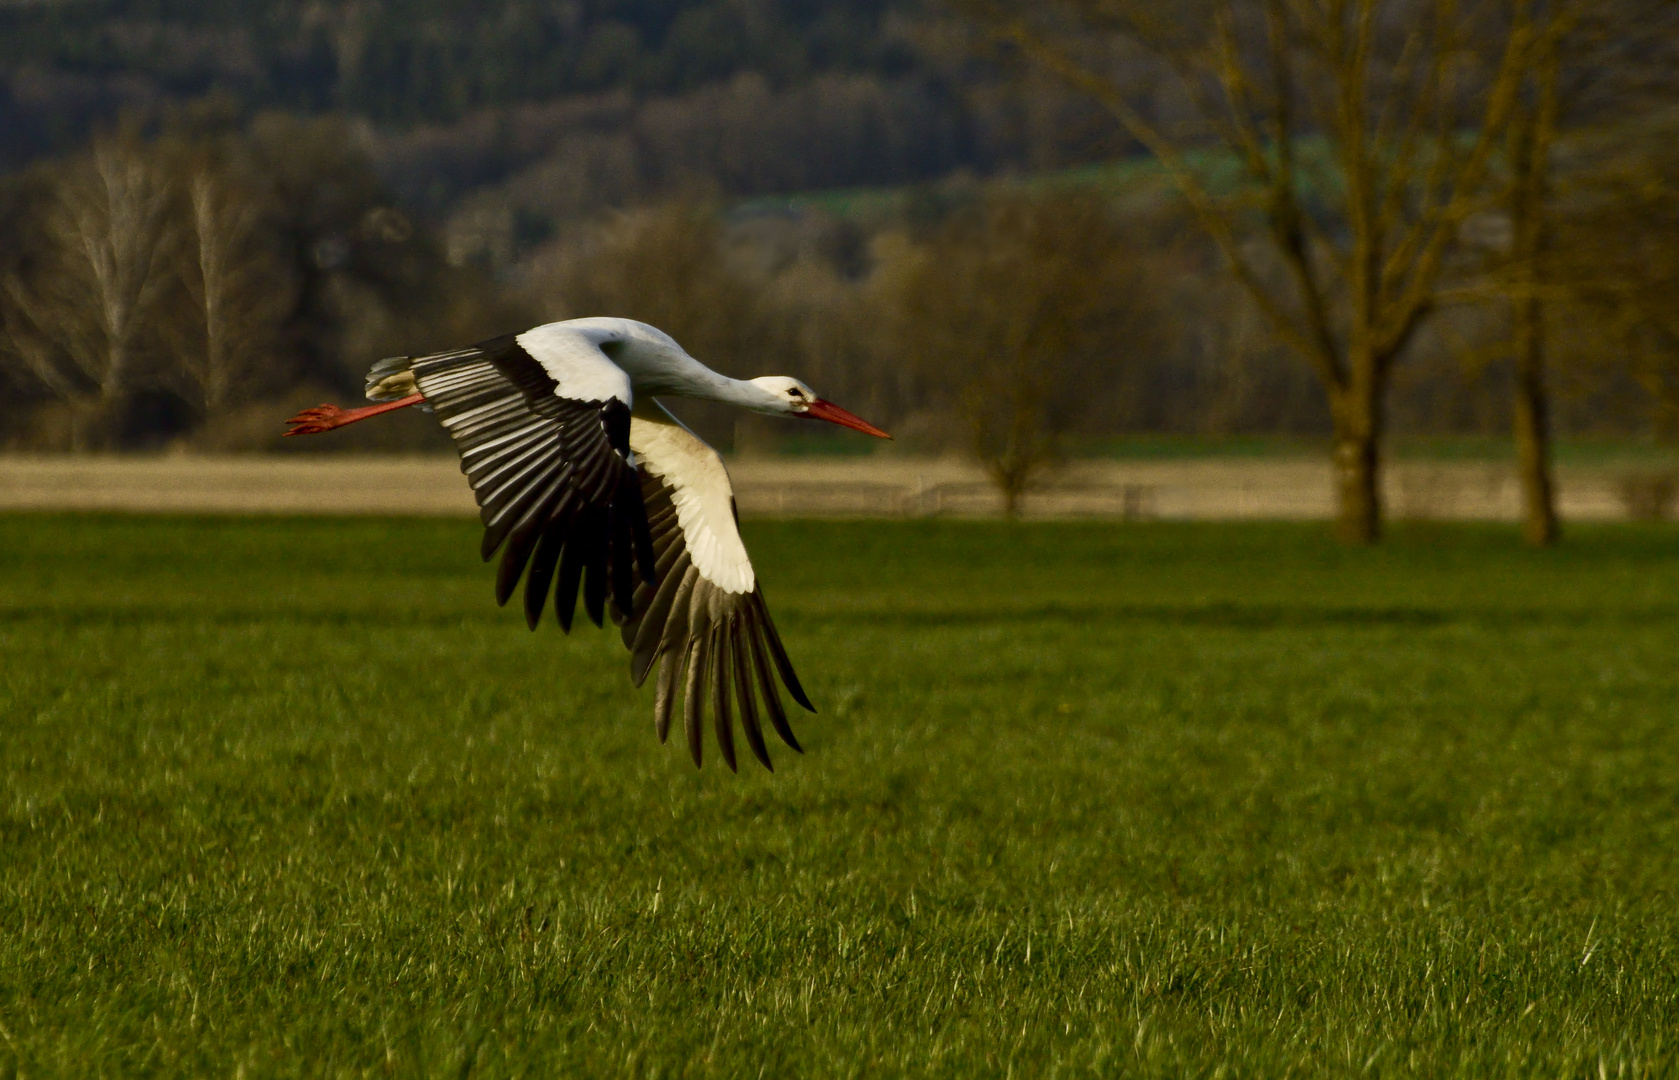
(587, 485)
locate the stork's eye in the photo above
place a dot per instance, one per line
(796, 393)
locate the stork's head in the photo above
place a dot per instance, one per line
(781, 396)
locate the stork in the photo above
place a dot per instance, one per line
(581, 475)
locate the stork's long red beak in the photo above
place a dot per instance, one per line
(827, 410)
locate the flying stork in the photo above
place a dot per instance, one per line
(577, 467)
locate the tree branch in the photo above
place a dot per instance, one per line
(1217, 225)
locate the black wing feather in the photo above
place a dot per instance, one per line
(664, 695)
(571, 575)
(686, 620)
(693, 709)
(748, 707)
(644, 649)
(771, 693)
(594, 582)
(779, 655)
(543, 564)
(722, 722)
(552, 475)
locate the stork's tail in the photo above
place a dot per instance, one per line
(391, 380)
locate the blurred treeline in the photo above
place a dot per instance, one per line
(215, 213)
(189, 288)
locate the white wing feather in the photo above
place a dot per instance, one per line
(701, 493)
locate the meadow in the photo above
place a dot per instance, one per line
(292, 797)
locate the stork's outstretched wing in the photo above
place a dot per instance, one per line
(542, 422)
(704, 611)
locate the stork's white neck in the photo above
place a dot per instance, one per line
(659, 367)
(728, 391)
(692, 380)
(670, 372)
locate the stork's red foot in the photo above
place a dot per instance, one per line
(320, 418)
(326, 417)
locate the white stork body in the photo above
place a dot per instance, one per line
(576, 467)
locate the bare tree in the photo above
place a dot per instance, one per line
(24, 345)
(1006, 310)
(1583, 71)
(1532, 139)
(1613, 265)
(79, 318)
(1346, 121)
(239, 291)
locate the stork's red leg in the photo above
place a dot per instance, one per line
(326, 417)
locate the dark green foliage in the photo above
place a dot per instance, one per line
(288, 797)
(406, 60)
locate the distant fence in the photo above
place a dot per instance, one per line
(1207, 489)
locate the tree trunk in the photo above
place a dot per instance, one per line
(1533, 427)
(113, 388)
(1532, 135)
(1012, 477)
(78, 427)
(1531, 162)
(1358, 516)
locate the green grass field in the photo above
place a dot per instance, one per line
(293, 797)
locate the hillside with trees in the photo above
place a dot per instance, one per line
(428, 60)
(821, 93)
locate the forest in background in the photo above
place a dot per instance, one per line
(276, 194)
